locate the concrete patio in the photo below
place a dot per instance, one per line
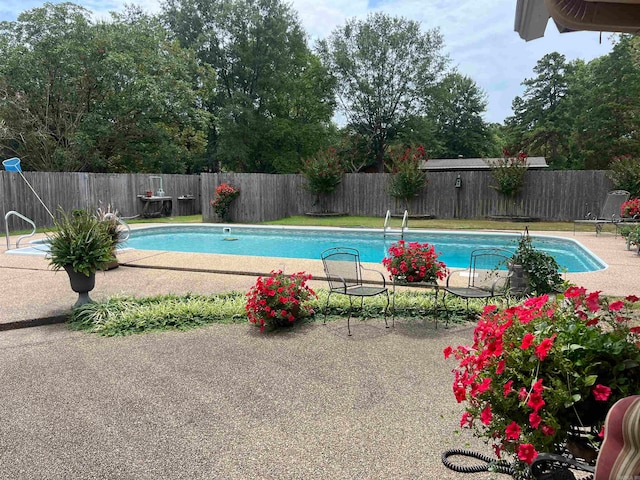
(225, 401)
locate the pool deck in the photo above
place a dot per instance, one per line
(34, 294)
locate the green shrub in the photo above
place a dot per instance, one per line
(407, 179)
(624, 173)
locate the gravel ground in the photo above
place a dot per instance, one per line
(228, 402)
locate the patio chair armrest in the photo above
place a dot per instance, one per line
(504, 279)
(384, 280)
(458, 273)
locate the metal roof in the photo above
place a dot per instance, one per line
(474, 163)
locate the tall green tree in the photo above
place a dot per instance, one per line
(608, 123)
(458, 112)
(274, 99)
(541, 124)
(108, 96)
(385, 67)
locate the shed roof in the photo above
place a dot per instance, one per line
(474, 163)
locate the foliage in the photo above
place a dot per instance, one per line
(509, 173)
(323, 172)
(279, 300)
(538, 368)
(630, 208)
(123, 315)
(541, 268)
(82, 241)
(414, 262)
(274, 98)
(457, 109)
(624, 173)
(384, 67)
(225, 194)
(631, 234)
(117, 96)
(407, 179)
(542, 122)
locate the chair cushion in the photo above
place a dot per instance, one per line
(619, 456)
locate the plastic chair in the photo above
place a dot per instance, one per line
(344, 271)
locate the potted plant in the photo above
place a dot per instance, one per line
(536, 370)
(630, 208)
(414, 262)
(279, 300)
(81, 244)
(535, 271)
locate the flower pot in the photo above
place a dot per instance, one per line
(81, 284)
(519, 281)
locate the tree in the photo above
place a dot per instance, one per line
(607, 123)
(274, 99)
(458, 112)
(541, 124)
(384, 67)
(106, 96)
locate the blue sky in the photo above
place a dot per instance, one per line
(478, 34)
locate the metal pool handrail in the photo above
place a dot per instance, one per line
(6, 227)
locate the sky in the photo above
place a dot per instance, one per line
(479, 36)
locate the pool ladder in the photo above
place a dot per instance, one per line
(389, 231)
(6, 228)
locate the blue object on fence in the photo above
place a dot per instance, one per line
(12, 165)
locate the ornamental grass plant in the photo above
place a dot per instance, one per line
(414, 262)
(539, 368)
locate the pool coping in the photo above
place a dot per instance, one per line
(31, 290)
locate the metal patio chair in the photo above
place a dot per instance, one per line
(488, 276)
(344, 271)
(609, 213)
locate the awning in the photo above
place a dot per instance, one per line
(621, 16)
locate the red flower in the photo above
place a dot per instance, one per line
(507, 389)
(631, 298)
(547, 430)
(616, 306)
(466, 420)
(543, 349)
(527, 340)
(512, 431)
(534, 420)
(447, 351)
(486, 415)
(601, 393)
(527, 453)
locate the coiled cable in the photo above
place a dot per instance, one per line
(500, 466)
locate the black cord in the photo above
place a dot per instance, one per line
(500, 466)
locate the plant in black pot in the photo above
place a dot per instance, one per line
(81, 244)
(538, 269)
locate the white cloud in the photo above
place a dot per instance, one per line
(478, 36)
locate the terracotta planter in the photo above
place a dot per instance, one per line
(81, 284)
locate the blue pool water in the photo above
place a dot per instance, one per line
(454, 247)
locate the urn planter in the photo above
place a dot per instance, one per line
(81, 284)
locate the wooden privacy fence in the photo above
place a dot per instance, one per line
(87, 190)
(547, 195)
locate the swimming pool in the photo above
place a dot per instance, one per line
(292, 242)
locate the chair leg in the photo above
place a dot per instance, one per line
(386, 307)
(349, 317)
(326, 307)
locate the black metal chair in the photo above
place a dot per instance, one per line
(344, 271)
(487, 276)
